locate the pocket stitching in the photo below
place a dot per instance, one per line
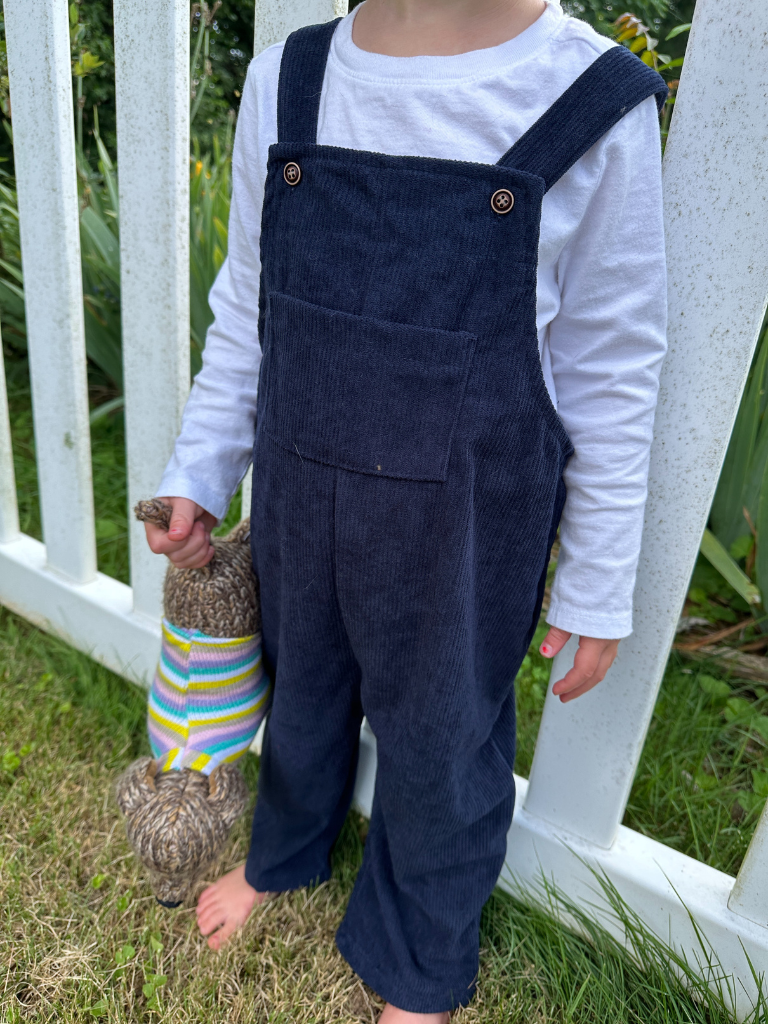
(467, 352)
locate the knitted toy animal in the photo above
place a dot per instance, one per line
(208, 698)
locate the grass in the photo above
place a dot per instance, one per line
(82, 939)
(702, 782)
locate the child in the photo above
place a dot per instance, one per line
(456, 255)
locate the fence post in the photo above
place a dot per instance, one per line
(9, 512)
(274, 20)
(40, 74)
(245, 494)
(152, 94)
(749, 896)
(716, 209)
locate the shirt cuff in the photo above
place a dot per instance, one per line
(176, 485)
(572, 619)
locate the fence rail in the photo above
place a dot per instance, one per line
(716, 200)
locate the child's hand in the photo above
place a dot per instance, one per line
(188, 540)
(593, 659)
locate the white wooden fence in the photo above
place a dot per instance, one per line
(716, 187)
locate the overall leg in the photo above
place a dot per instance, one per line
(310, 749)
(439, 652)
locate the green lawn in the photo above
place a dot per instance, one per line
(82, 938)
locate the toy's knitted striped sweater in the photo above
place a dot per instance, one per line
(208, 697)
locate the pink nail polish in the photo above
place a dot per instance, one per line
(546, 650)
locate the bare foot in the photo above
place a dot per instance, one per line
(225, 906)
(391, 1015)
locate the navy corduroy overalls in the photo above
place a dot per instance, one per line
(407, 488)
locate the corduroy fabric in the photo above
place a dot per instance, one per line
(611, 86)
(298, 96)
(407, 488)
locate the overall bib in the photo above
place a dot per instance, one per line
(407, 487)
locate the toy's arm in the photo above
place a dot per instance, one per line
(154, 511)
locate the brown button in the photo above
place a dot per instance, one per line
(292, 173)
(502, 201)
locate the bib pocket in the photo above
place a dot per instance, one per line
(360, 393)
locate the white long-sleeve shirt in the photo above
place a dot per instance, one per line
(601, 294)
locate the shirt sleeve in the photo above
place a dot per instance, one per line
(213, 450)
(607, 343)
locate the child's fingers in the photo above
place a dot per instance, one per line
(207, 519)
(593, 659)
(187, 542)
(196, 562)
(554, 642)
(584, 666)
(589, 684)
(159, 541)
(185, 512)
(196, 540)
(197, 553)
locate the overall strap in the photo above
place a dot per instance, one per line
(610, 87)
(302, 70)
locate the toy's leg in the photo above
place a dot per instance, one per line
(226, 699)
(167, 707)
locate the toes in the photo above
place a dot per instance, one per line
(212, 901)
(211, 919)
(219, 938)
(205, 896)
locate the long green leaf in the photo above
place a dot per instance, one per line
(761, 526)
(13, 271)
(716, 554)
(14, 289)
(755, 479)
(103, 410)
(731, 496)
(102, 337)
(677, 30)
(96, 234)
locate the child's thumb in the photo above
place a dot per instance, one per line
(182, 519)
(554, 642)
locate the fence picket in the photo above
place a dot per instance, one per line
(749, 897)
(37, 37)
(152, 93)
(9, 512)
(716, 208)
(276, 19)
